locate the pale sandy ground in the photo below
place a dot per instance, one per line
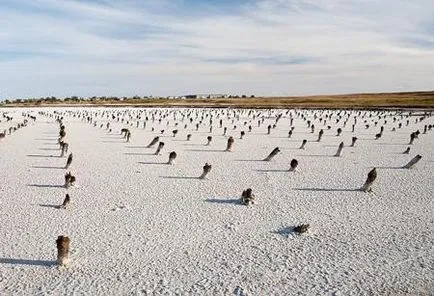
(139, 226)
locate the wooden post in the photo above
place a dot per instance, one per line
(62, 244)
(247, 198)
(66, 202)
(68, 161)
(372, 175)
(341, 146)
(293, 164)
(209, 140)
(353, 141)
(230, 144)
(172, 157)
(160, 146)
(206, 170)
(272, 154)
(412, 162)
(321, 132)
(153, 142)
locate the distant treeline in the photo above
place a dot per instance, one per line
(104, 99)
(73, 99)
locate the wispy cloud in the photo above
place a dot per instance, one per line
(164, 47)
(272, 60)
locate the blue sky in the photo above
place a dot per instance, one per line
(174, 47)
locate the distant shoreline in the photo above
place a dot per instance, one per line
(407, 100)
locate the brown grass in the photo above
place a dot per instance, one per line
(359, 101)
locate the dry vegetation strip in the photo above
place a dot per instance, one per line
(381, 100)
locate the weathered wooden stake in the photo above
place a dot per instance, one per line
(66, 202)
(412, 137)
(293, 164)
(209, 140)
(128, 136)
(372, 175)
(206, 170)
(412, 162)
(341, 146)
(172, 157)
(303, 228)
(321, 132)
(247, 197)
(160, 146)
(69, 180)
(272, 154)
(62, 244)
(153, 142)
(64, 146)
(68, 161)
(230, 144)
(353, 141)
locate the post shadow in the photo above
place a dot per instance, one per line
(142, 162)
(121, 141)
(135, 147)
(48, 167)
(285, 231)
(273, 171)
(328, 189)
(49, 149)
(196, 145)
(50, 206)
(224, 201)
(40, 155)
(46, 186)
(315, 155)
(204, 150)
(31, 262)
(391, 144)
(389, 167)
(178, 177)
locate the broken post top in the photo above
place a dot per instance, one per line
(62, 240)
(372, 175)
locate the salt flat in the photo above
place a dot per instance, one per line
(140, 226)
